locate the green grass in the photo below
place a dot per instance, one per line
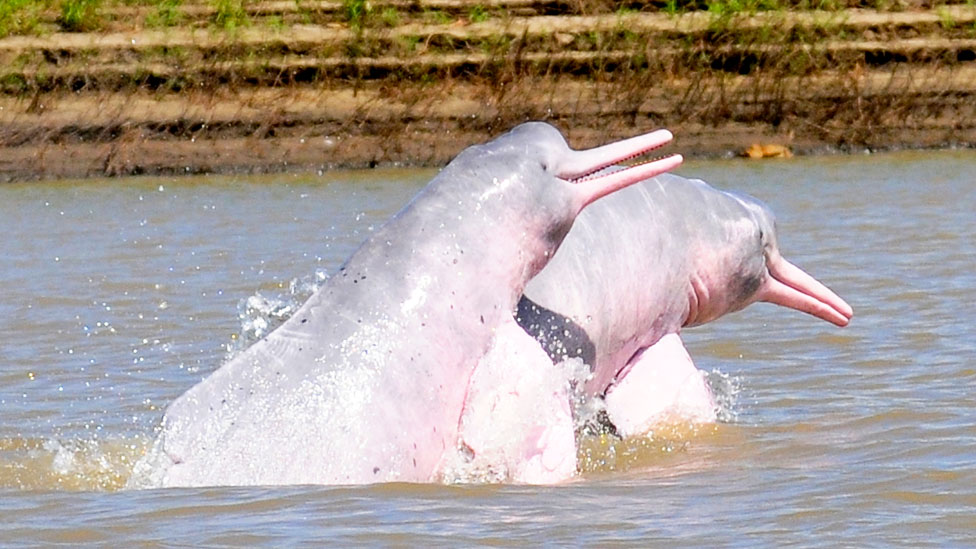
(477, 14)
(437, 17)
(167, 14)
(671, 7)
(410, 42)
(80, 15)
(390, 17)
(19, 16)
(356, 12)
(230, 14)
(726, 8)
(946, 19)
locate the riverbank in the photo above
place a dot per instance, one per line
(194, 87)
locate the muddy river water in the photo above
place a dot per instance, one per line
(117, 295)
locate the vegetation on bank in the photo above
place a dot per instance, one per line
(19, 17)
(839, 73)
(300, 41)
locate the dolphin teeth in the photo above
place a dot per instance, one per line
(616, 167)
(580, 165)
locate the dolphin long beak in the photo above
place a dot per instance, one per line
(789, 286)
(582, 165)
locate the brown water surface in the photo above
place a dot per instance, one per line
(118, 295)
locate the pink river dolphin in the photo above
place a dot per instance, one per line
(635, 269)
(367, 380)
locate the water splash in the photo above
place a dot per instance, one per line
(726, 390)
(602, 451)
(260, 314)
(51, 464)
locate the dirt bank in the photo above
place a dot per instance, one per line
(309, 85)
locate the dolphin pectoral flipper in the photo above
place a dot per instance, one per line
(661, 383)
(517, 424)
(561, 337)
